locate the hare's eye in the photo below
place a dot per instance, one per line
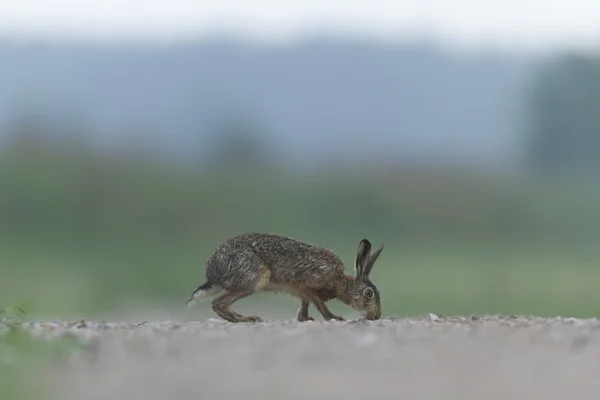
(368, 293)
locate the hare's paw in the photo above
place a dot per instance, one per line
(251, 318)
(335, 317)
(304, 318)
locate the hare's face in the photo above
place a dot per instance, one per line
(365, 299)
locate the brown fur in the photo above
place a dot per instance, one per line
(253, 262)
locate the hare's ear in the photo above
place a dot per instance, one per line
(372, 258)
(362, 256)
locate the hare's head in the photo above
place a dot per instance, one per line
(365, 296)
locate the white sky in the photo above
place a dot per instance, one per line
(521, 23)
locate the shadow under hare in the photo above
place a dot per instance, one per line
(254, 262)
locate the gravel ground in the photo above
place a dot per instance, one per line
(433, 357)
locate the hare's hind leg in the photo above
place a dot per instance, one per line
(239, 288)
(222, 306)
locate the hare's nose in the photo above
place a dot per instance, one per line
(373, 317)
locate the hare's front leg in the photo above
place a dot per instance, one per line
(302, 314)
(320, 304)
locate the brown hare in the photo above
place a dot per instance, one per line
(254, 262)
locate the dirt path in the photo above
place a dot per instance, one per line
(429, 358)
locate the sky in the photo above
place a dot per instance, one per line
(516, 24)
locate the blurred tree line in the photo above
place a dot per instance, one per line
(565, 118)
(53, 179)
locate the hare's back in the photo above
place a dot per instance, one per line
(299, 263)
(290, 260)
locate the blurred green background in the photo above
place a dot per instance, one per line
(82, 234)
(86, 231)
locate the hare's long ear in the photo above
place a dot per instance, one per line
(372, 258)
(362, 256)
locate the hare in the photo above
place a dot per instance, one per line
(254, 262)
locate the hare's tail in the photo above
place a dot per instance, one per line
(202, 292)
